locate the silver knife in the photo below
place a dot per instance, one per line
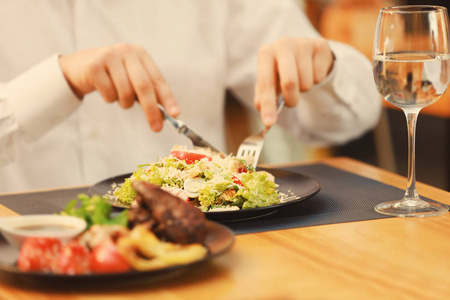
(181, 127)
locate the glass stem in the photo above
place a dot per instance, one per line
(411, 190)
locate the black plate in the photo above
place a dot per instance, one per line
(219, 239)
(301, 186)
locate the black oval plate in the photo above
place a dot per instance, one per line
(297, 186)
(219, 239)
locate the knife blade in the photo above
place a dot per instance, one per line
(182, 128)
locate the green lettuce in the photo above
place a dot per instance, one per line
(258, 191)
(126, 193)
(206, 197)
(94, 210)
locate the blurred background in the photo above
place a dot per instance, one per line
(353, 22)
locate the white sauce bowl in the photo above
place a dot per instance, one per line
(18, 228)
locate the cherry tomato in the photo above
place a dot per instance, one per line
(106, 259)
(188, 157)
(73, 259)
(39, 254)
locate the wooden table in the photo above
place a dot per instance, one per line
(393, 258)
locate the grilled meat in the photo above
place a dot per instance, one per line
(169, 217)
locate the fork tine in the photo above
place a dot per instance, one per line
(247, 151)
(252, 145)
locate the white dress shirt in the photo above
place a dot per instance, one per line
(49, 138)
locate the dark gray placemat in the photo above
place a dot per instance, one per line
(47, 202)
(344, 197)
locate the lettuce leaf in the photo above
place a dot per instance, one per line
(258, 190)
(94, 210)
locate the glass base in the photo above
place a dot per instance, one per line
(411, 208)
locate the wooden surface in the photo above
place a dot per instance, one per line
(394, 258)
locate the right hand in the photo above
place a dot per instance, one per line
(122, 73)
(289, 65)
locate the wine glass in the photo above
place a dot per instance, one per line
(411, 67)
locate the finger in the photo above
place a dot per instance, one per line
(322, 60)
(119, 76)
(163, 93)
(145, 92)
(104, 85)
(288, 73)
(265, 89)
(304, 65)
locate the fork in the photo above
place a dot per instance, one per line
(253, 144)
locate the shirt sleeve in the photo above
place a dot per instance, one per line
(31, 105)
(342, 107)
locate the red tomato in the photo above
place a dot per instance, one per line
(38, 254)
(188, 157)
(237, 181)
(242, 170)
(73, 259)
(106, 259)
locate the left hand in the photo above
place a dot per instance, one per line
(290, 65)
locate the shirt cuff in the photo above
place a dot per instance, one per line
(41, 97)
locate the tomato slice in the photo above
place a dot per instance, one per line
(106, 259)
(73, 259)
(188, 156)
(39, 254)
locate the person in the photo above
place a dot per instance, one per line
(62, 60)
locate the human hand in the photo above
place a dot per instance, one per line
(290, 66)
(122, 73)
